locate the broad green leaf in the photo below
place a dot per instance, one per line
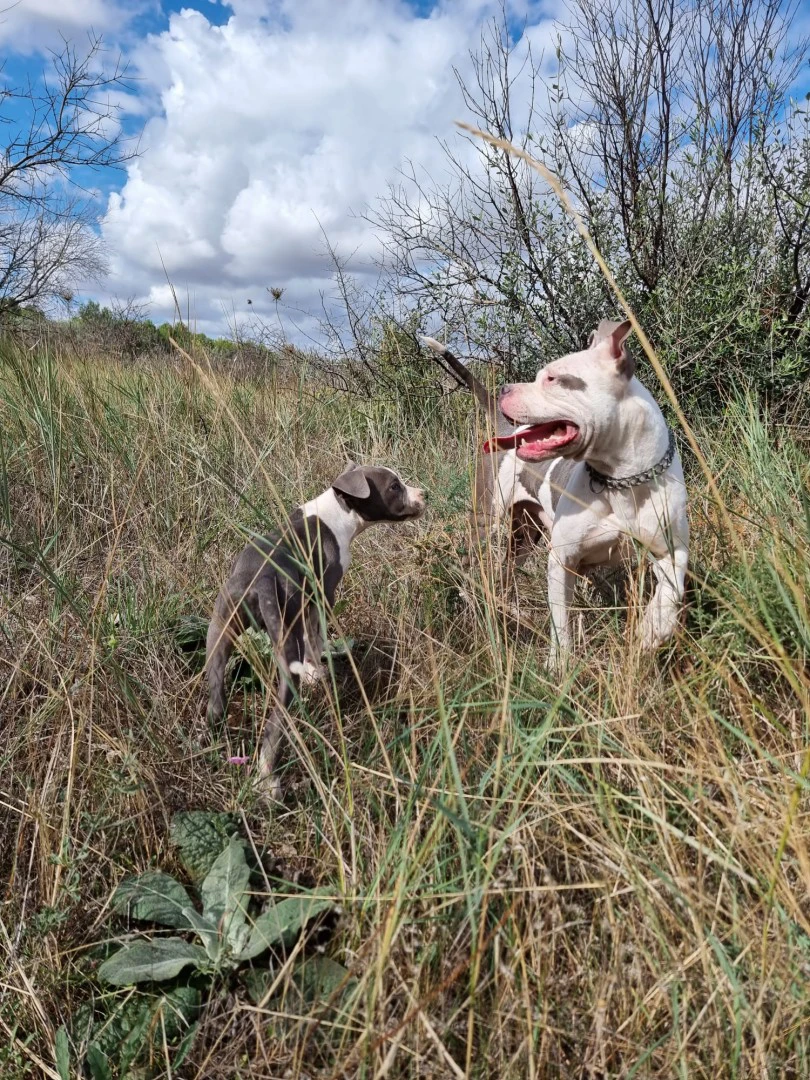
(206, 931)
(168, 1015)
(155, 897)
(179, 1006)
(200, 836)
(137, 1043)
(224, 891)
(238, 933)
(257, 981)
(143, 960)
(62, 1053)
(126, 1030)
(280, 924)
(97, 1063)
(183, 1047)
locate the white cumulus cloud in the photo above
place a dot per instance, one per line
(35, 26)
(272, 130)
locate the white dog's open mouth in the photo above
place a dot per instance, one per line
(534, 441)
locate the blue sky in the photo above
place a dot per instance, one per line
(263, 125)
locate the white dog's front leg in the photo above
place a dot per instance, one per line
(663, 611)
(561, 581)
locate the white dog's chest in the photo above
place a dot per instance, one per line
(602, 530)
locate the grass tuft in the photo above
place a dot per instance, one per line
(607, 877)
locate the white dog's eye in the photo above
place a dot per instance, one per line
(550, 377)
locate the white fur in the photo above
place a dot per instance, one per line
(622, 432)
(344, 524)
(307, 672)
(510, 489)
(546, 493)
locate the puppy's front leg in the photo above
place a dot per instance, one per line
(312, 669)
(561, 581)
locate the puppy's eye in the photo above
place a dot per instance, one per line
(395, 486)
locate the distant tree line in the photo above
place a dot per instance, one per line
(674, 125)
(125, 332)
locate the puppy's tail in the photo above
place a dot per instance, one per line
(463, 376)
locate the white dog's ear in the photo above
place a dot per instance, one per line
(614, 335)
(352, 481)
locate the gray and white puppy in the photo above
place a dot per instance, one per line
(284, 583)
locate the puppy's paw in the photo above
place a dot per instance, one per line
(307, 672)
(215, 711)
(270, 789)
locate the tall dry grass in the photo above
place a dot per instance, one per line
(604, 878)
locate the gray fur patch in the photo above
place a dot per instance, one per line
(626, 365)
(571, 382)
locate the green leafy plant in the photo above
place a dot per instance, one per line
(128, 1035)
(200, 836)
(127, 1032)
(228, 936)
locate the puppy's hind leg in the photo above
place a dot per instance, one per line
(482, 517)
(525, 533)
(289, 642)
(222, 634)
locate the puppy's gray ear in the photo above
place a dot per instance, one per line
(352, 481)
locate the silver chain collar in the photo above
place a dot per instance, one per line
(621, 483)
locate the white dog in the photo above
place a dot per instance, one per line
(618, 470)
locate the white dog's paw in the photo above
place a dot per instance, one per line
(648, 638)
(656, 628)
(307, 672)
(651, 639)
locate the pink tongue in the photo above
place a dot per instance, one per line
(552, 434)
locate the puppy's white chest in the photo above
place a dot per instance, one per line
(342, 524)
